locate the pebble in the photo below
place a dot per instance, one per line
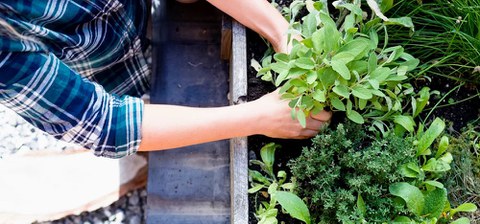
(18, 136)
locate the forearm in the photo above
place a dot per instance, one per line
(258, 15)
(166, 126)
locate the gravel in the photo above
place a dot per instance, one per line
(18, 136)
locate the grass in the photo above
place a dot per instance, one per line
(447, 37)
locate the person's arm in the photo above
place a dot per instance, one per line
(49, 95)
(260, 16)
(166, 126)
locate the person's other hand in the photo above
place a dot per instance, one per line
(275, 119)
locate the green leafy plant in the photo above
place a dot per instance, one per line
(463, 183)
(340, 65)
(345, 175)
(421, 192)
(447, 38)
(278, 190)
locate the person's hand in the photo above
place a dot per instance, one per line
(275, 120)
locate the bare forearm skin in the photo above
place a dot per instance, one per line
(167, 126)
(260, 16)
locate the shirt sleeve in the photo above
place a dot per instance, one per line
(54, 98)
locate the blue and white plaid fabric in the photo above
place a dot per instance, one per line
(81, 80)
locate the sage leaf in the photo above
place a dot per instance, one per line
(319, 95)
(267, 153)
(337, 103)
(412, 196)
(402, 21)
(305, 63)
(341, 68)
(376, 9)
(355, 117)
(341, 90)
(301, 118)
(293, 205)
(362, 93)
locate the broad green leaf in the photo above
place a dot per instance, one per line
(447, 158)
(327, 76)
(361, 205)
(344, 57)
(406, 122)
(412, 196)
(319, 95)
(402, 21)
(386, 5)
(372, 63)
(402, 220)
(311, 77)
(255, 188)
(410, 170)
(293, 205)
(462, 220)
(341, 90)
(380, 74)
(349, 21)
(442, 146)
(374, 83)
(362, 104)
(255, 65)
(422, 100)
(435, 129)
(301, 118)
(318, 40)
(309, 25)
(288, 186)
(435, 202)
(332, 35)
(337, 103)
(362, 92)
(355, 117)
(279, 67)
(280, 78)
(305, 63)
(272, 189)
(341, 68)
(376, 9)
(257, 176)
(434, 183)
(351, 7)
(281, 57)
(465, 207)
(267, 153)
(355, 47)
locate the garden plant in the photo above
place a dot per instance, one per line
(387, 162)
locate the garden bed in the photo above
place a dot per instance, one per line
(455, 102)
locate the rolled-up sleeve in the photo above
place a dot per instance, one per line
(54, 98)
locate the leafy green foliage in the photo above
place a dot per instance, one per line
(339, 65)
(278, 190)
(422, 194)
(345, 175)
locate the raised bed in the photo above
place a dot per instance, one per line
(205, 183)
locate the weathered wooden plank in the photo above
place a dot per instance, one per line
(238, 146)
(226, 44)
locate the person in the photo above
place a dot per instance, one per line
(76, 69)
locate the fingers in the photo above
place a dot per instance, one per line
(322, 116)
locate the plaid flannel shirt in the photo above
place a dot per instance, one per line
(81, 80)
